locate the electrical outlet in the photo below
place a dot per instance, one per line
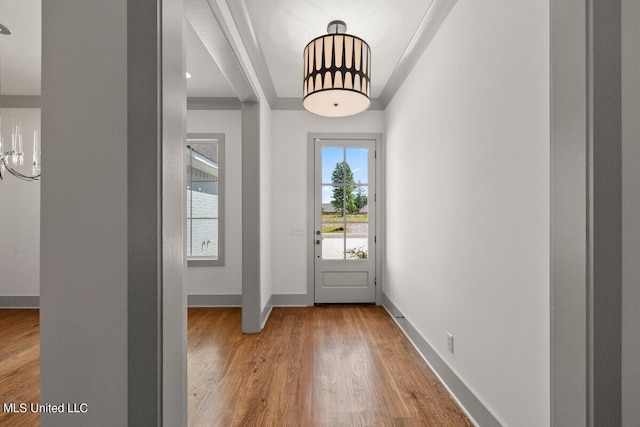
(298, 231)
(450, 342)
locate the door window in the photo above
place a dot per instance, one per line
(345, 203)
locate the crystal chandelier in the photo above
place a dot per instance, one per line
(14, 157)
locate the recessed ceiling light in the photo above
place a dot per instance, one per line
(188, 74)
(4, 30)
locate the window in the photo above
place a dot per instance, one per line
(205, 199)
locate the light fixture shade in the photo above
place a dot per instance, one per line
(337, 75)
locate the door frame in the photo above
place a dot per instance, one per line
(380, 207)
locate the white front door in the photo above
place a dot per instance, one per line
(344, 221)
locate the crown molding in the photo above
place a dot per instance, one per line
(433, 19)
(242, 19)
(377, 104)
(287, 104)
(20, 101)
(193, 103)
(211, 30)
(207, 103)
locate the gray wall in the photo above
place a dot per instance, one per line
(586, 211)
(113, 321)
(568, 215)
(83, 290)
(605, 212)
(251, 291)
(630, 212)
(173, 290)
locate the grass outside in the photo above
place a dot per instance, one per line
(332, 223)
(361, 217)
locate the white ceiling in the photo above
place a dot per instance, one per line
(206, 78)
(284, 27)
(20, 55)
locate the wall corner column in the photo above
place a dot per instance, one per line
(251, 304)
(113, 311)
(586, 212)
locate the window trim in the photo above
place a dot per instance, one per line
(220, 140)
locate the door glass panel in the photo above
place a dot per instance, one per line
(357, 159)
(361, 202)
(332, 223)
(357, 247)
(345, 218)
(332, 160)
(329, 203)
(333, 246)
(349, 225)
(357, 230)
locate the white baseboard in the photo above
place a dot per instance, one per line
(468, 402)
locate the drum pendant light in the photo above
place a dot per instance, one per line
(337, 73)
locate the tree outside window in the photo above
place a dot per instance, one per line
(343, 190)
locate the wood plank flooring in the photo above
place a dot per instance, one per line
(19, 364)
(311, 366)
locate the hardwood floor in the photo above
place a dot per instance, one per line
(311, 366)
(19, 364)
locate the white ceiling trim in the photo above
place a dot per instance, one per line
(433, 19)
(211, 103)
(210, 30)
(240, 14)
(20, 101)
(193, 103)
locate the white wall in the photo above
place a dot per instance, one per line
(20, 213)
(227, 279)
(467, 156)
(630, 213)
(289, 164)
